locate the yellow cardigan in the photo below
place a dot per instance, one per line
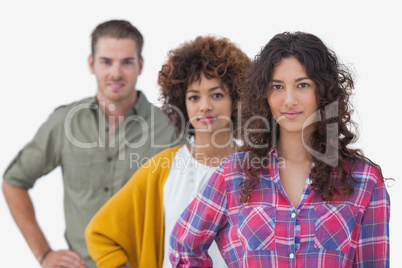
(129, 227)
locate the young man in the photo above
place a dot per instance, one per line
(99, 142)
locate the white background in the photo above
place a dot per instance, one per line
(43, 64)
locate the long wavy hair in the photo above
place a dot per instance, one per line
(215, 57)
(333, 130)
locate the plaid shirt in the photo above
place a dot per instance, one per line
(268, 231)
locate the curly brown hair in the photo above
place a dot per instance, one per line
(334, 85)
(215, 58)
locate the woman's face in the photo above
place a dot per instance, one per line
(208, 104)
(291, 96)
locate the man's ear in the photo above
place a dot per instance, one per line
(91, 64)
(141, 63)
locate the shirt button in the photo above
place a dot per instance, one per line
(109, 159)
(291, 255)
(106, 189)
(177, 255)
(293, 215)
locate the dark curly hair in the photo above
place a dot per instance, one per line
(333, 132)
(212, 56)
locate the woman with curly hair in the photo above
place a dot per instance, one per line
(199, 91)
(299, 195)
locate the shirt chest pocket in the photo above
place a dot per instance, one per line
(334, 226)
(257, 228)
(77, 170)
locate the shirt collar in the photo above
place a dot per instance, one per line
(273, 152)
(93, 104)
(141, 107)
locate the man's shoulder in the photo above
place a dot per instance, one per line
(66, 107)
(60, 113)
(147, 108)
(151, 111)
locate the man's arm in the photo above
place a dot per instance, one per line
(22, 210)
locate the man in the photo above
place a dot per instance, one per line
(99, 142)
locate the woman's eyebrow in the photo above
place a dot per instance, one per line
(301, 78)
(197, 91)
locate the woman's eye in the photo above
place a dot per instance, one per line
(303, 85)
(217, 96)
(193, 98)
(276, 87)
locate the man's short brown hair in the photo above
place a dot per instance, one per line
(117, 29)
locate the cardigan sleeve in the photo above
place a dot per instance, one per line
(116, 234)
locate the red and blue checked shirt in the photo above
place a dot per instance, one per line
(268, 231)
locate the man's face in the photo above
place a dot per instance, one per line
(116, 66)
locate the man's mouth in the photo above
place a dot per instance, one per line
(116, 86)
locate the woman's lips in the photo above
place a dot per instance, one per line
(207, 119)
(291, 115)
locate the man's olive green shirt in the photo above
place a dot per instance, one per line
(95, 165)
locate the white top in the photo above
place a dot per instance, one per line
(186, 178)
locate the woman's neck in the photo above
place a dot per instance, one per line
(211, 150)
(292, 147)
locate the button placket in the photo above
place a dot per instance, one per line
(192, 181)
(293, 216)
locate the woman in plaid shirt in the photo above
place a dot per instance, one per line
(299, 195)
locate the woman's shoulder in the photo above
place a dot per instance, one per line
(156, 167)
(237, 156)
(236, 159)
(233, 164)
(364, 171)
(164, 157)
